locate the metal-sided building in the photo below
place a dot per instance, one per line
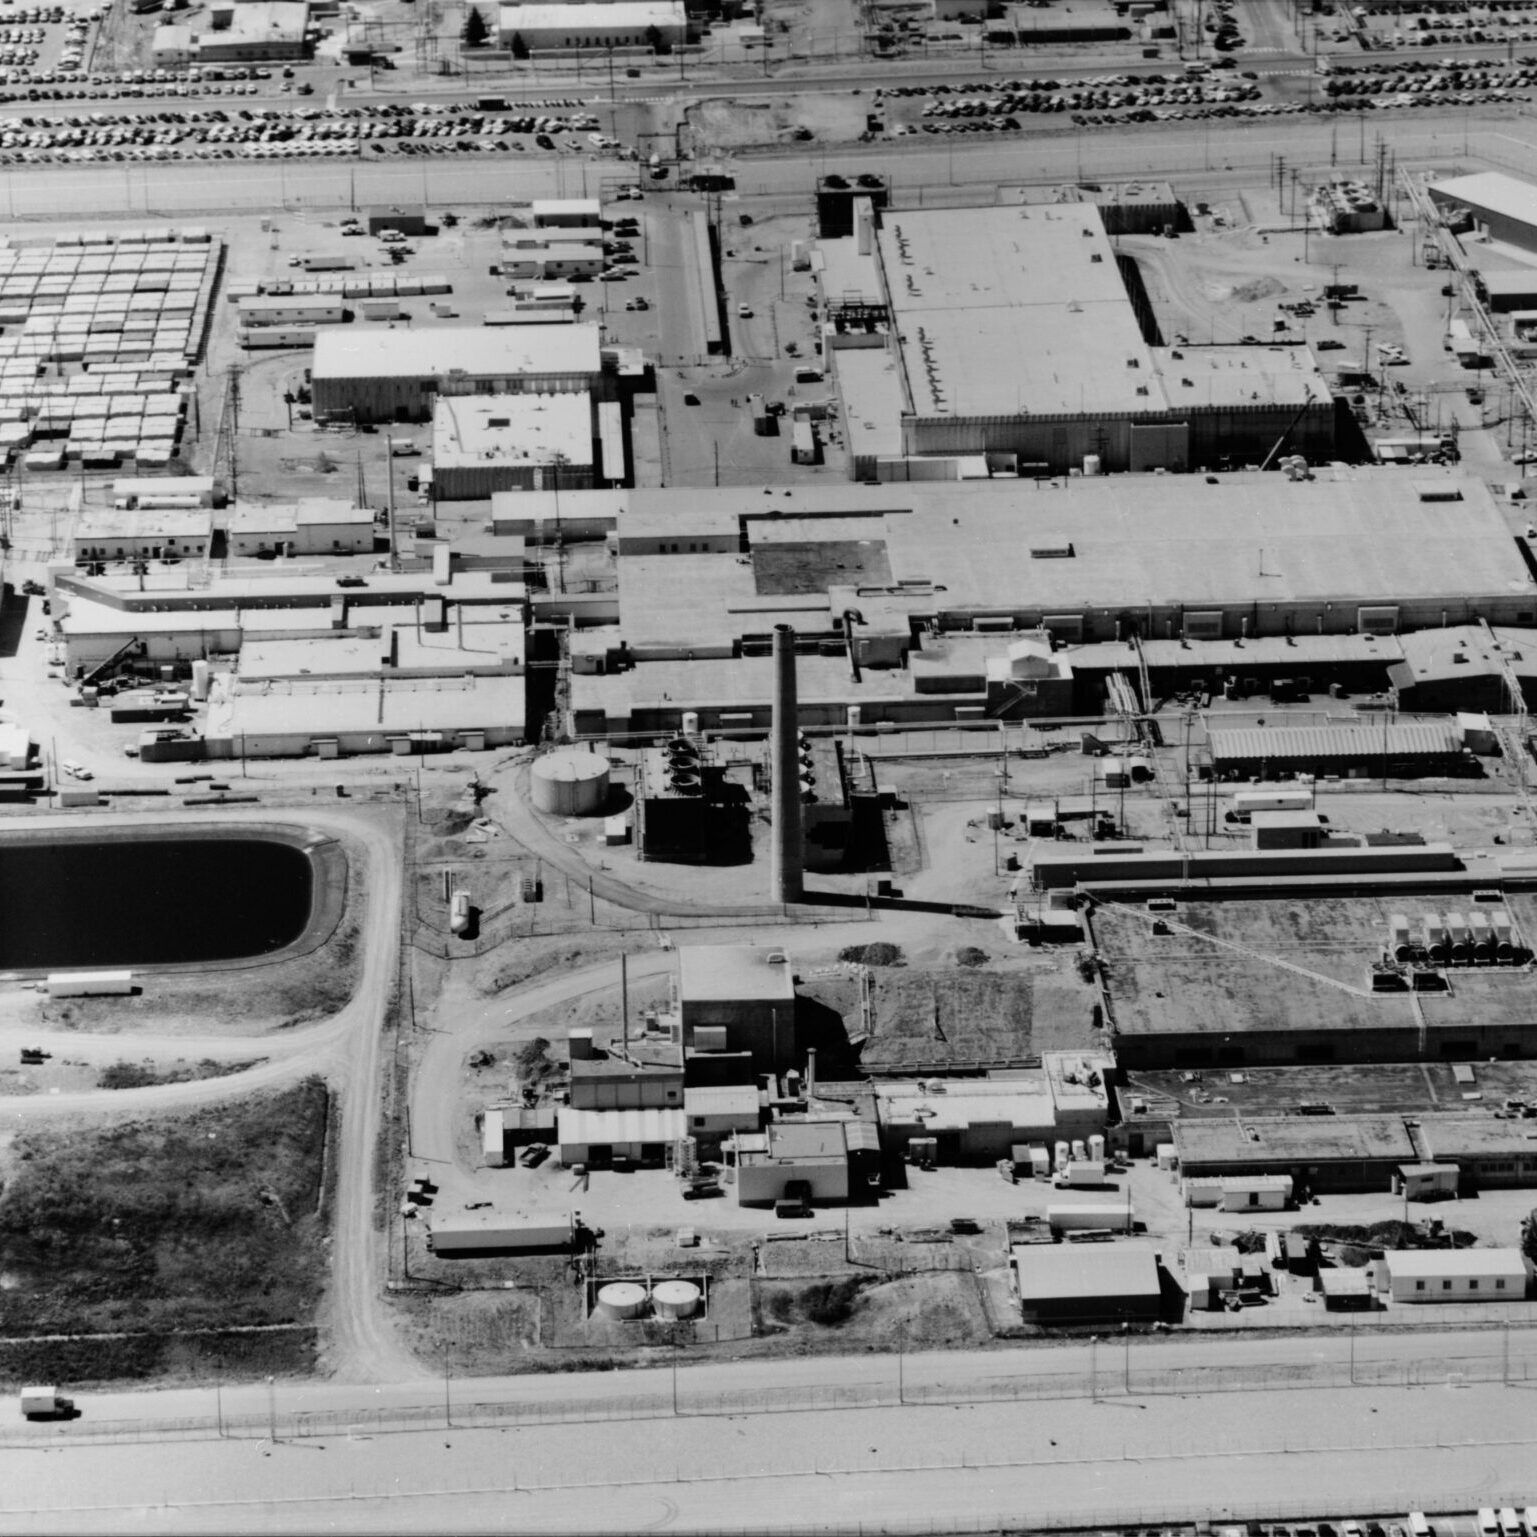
(1393, 748)
(597, 1137)
(387, 373)
(154, 533)
(1088, 1283)
(1339, 1153)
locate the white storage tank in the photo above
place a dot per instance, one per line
(1096, 1148)
(1080, 1152)
(201, 677)
(691, 723)
(1091, 464)
(675, 1299)
(622, 1299)
(1061, 1160)
(571, 784)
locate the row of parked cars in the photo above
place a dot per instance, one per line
(68, 82)
(266, 133)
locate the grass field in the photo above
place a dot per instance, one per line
(166, 1234)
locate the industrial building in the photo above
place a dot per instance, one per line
(1466, 667)
(388, 374)
(312, 525)
(291, 310)
(1344, 206)
(1088, 1283)
(825, 1161)
(616, 24)
(255, 31)
(1017, 339)
(927, 601)
(567, 213)
(1454, 1275)
(1128, 208)
(483, 444)
(600, 1138)
(163, 533)
(737, 998)
(1320, 1153)
(1353, 751)
(1501, 206)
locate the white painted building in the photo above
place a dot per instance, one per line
(1454, 1275)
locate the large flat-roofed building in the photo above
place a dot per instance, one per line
(941, 576)
(1502, 205)
(313, 525)
(1017, 336)
(482, 444)
(1355, 1152)
(262, 29)
(390, 374)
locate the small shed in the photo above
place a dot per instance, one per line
(1426, 1181)
(1347, 1288)
(1241, 1192)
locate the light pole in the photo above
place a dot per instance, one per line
(272, 1408)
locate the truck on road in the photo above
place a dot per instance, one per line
(46, 1404)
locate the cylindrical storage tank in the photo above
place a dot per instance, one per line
(675, 1299)
(571, 784)
(1461, 939)
(1482, 936)
(202, 676)
(1062, 1159)
(1400, 939)
(1091, 464)
(691, 723)
(1080, 1152)
(1437, 945)
(622, 1299)
(853, 715)
(1096, 1148)
(1504, 935)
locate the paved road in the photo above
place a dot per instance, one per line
(918, 170)
(954, 1468)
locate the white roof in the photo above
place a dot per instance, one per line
(735, 972)
(967, 1102)
(147, 523)
(512, 429)
(1492, 191)
(585, 1127)
(1454, 1263)
(1048, 1272)
(616, 16)
(355, 352)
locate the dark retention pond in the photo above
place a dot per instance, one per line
(149, 901)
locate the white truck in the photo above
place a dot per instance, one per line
(45, 1404)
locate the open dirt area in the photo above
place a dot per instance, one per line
(169, 1231)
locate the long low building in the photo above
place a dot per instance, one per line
(1088, 1283)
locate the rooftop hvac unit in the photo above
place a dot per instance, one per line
(1461, 941)
(1482, 936)
(1505, 948)
(1437, 942)
(1400, 941)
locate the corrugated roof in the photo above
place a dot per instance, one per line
(1321, 742)
(584, 1127)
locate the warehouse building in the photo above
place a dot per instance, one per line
(313, 525)
(603, 1138)
(618, 24)
(1392, 749)
(1499, 205)
(1466, 667)
(1088, 1283)
(1454, 1275)
(1018, 339)
(483, 444)
(1509, 291)
(156, 533)
(392, 374)
(1488, 1153)
(1319, 1153)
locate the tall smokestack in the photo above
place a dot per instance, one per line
(784, 767)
